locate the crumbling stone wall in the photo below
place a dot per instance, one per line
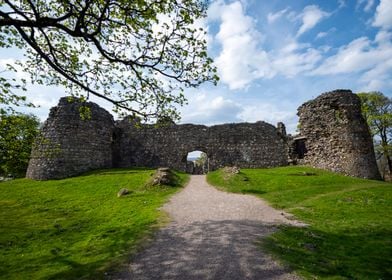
(336, 135)
(242, 144)
(333, 136)
(69, 145)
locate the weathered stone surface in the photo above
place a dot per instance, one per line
(68, 145)
(334, 136)
(337, 136)
(163, 176)
(232, 170)
(244, 145)
(122, 192)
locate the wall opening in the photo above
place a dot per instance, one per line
(197, 162)
(300, 147)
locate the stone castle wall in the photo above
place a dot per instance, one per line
(334, 136)
(337, 136)
(246, 145)
(68, 145)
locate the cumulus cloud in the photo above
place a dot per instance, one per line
(241, 59)
(383, 17)
(310, 17)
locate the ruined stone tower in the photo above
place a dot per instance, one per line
(337, 137)
(334, 136)
(69, 145)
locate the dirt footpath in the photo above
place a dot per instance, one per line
(213, 235)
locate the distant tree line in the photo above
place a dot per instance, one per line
(377, 111)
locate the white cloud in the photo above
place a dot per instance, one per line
(272, 114)
(384, 37)
(321, 35)
(371, 59)
(357, 56)
(241, 60)
(368, 4)
(214, 11)
(349, 58)
(295, 58)
(209, 110)
(342, 4)
(272, 17)
(310, 17)
(383, 17)
(379, 77)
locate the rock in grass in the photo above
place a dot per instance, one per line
(163, 176)
(230, 171)
(122, 192)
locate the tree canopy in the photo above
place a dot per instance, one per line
(377, 110)
(17, 133)
(138, 55)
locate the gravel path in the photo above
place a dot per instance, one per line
(213, 235)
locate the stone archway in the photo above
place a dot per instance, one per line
(197, 162)
(68, 145)
(244, 145)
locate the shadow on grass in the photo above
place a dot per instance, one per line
(112, 256)
(115, 171)
(349, 255)
(253, 191)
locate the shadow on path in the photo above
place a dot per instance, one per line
(207, 250)
(213, 235)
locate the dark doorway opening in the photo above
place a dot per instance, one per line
(300, 147)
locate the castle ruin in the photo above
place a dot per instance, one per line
(333, 136)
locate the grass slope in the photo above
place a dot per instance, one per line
(77, 227)
(350, 232)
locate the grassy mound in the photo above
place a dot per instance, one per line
(76, 227)
(350, 232)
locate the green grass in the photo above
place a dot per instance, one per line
(350, 232)
(76, 227)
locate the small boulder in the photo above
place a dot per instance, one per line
(230, 171)
(163, 176)
(122, 192)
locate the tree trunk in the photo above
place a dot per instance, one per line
(389, 163)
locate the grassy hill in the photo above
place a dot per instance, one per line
(350, 220)
(76, 227)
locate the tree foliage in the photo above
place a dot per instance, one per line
(377, 110)
(201, 160)
(138, 55)
(17, 133)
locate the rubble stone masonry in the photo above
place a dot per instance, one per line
(334, 136)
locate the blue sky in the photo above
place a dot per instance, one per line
(274, 55)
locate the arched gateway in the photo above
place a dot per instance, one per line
(242, 144)
(334, 136)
